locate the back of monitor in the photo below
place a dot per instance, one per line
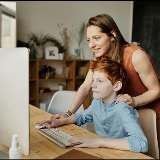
(14, 96)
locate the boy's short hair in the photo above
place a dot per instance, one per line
(113, 70)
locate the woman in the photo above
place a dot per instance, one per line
(105, 40)
(142, 89)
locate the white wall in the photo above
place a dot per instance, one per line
(43, 17)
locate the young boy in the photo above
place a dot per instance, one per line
(117, 124)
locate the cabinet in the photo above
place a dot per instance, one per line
(72, 82)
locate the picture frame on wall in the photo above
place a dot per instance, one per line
(51, 52)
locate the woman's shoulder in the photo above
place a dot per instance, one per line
(130, 51)
(130, 48)
(140, 55)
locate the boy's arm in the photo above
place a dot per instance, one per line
(136, 138)
(121, 144)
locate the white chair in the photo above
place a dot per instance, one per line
(60, 102)
(148, 123)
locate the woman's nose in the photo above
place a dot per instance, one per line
(91, 44)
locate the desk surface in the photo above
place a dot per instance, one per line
(42, 148)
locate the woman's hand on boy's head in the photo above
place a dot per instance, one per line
(125, 98)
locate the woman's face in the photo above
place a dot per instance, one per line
(98, 42)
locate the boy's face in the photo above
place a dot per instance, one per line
(102, 87)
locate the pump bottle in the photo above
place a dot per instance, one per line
(15, 151)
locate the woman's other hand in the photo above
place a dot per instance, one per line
(125, 98)
(50, 122)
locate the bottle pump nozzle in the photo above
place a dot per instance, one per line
(15, 150)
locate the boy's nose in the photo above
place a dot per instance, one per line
(93, 85)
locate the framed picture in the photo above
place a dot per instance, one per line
(51, 52)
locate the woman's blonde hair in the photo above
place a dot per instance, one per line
(108, 25)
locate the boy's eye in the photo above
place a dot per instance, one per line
(99, 81)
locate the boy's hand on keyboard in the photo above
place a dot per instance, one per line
(85, 142)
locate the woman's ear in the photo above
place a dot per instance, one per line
(117, 86)
(114, 36)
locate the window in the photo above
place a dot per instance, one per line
(7, 24)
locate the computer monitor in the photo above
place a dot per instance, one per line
(14, 96)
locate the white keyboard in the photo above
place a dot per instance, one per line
(56, 136)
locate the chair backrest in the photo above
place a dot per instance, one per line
(60, 102)
(148, 123)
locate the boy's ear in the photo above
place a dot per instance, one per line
(117, 86)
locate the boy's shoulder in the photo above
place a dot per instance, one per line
(123, 110)
(121, 106)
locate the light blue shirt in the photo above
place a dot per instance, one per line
(115, 121)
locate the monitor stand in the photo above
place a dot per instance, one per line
(3, 155)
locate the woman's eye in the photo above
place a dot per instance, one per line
(97, 38)
(88, 40)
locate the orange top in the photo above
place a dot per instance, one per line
(134, 85)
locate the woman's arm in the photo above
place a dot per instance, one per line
(82, 92)
(146, 72)
(144, 68)
(80, 96)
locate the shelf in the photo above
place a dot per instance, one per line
(32, 99)
(32, 80)
(52, 92)
(56, 77)
(72, 82)
(80, 77)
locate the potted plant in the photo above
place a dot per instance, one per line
(39, 40)
(61, 51)
(61, 48)
(47, 72)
